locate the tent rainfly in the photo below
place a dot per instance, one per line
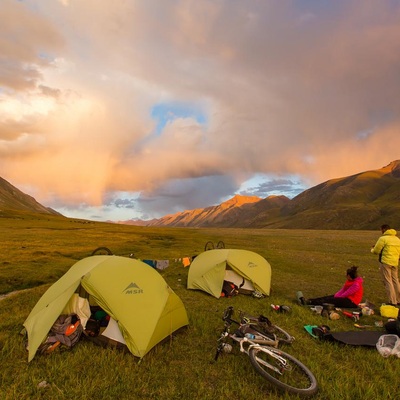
(210, 268)
(137, 298)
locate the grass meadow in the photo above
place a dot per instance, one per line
(35, 252)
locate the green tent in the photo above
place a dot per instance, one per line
(135, 295)
(208, 270)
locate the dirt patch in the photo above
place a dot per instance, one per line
(4, 296)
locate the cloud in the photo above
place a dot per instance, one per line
(275, 186)
(278, 89)
(178, 195)
(24, 44)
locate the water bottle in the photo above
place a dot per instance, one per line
(275, 307)
(250, 336)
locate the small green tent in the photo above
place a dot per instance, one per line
(135, 295)
(207, 271)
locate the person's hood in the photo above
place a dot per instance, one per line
(390, 232)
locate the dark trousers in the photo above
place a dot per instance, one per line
(342, 302)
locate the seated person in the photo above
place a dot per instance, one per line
(349, 296)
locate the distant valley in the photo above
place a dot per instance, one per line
(361, 201)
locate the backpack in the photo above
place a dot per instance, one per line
(66, 332)
(229, 289)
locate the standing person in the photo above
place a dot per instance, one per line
(388, 249)
(349, 296)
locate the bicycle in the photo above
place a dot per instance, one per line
(210, 245)
(258, 339)
(102, 251)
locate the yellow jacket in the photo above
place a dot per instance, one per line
(388, 248)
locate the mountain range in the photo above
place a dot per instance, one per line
(362, 201)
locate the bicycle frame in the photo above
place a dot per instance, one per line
(246, 344)
(263, 346)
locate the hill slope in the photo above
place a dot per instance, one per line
(235, 212)
(12, 199)
(361, 201)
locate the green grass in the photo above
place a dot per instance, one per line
(36, 252)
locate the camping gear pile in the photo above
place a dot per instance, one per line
(386, 341)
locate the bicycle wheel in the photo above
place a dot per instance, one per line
(283, 370)
(209, 246)
(102, 250)
(220, 245)
(281, 335)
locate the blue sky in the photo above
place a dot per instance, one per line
(164, 113)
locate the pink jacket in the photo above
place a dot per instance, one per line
(353, 290)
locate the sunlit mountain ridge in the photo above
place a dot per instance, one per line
(361, 201)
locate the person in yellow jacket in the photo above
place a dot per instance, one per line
(388, 249)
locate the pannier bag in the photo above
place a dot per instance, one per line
(66, 332)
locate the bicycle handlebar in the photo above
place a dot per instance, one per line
(228, 313)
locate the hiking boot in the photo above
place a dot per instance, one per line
(281, 309)
(325, 313)
(285, 309)
(301, 299)
(257, 294)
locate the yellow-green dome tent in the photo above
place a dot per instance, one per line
(207, 271)
(135, 295)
